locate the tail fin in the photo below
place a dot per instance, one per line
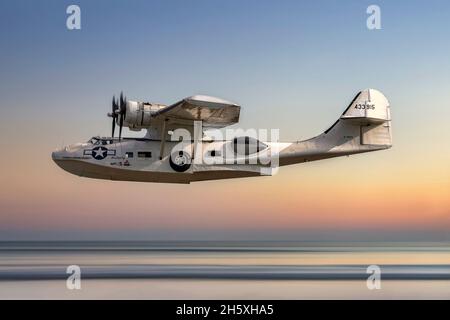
(363, 127)
(368, 116)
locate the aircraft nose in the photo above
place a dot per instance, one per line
(59, 154)
(68, 152)
(56, 155)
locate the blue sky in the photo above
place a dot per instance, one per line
(264, 55)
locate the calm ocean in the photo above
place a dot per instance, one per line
(224, 270)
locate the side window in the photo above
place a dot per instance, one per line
(144, 154)
(129, 155)
(214, 153)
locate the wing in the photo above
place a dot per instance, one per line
(213, 112)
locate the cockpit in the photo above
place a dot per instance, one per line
(97, 141)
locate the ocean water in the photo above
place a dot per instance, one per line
(224, 270)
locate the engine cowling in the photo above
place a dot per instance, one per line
(139, 114)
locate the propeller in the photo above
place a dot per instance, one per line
(119, 110)
(113, 114)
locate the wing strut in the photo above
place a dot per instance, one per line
(198, 135)
(163, 139)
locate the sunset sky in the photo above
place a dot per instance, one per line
(293, 66)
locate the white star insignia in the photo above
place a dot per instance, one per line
(99, 152)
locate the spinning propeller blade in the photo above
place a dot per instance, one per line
(123, 112)
(114, 115)
(119, 110)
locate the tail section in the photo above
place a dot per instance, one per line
(370, 111)
(369, 105)
(364, 126)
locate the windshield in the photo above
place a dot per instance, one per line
(106, 141)
(94, 141)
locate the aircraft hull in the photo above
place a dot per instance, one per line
(90, 170)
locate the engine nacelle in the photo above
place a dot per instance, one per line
(139, 114)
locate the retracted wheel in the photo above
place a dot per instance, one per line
(180, 161)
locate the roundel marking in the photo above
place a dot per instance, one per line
(99, 153)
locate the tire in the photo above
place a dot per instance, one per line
(180, 161)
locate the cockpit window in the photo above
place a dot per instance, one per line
(94, 141)
(98, 141)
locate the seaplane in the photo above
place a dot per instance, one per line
(178, 146)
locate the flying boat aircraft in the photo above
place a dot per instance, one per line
(178, 149)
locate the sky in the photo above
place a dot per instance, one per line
(291, 65)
